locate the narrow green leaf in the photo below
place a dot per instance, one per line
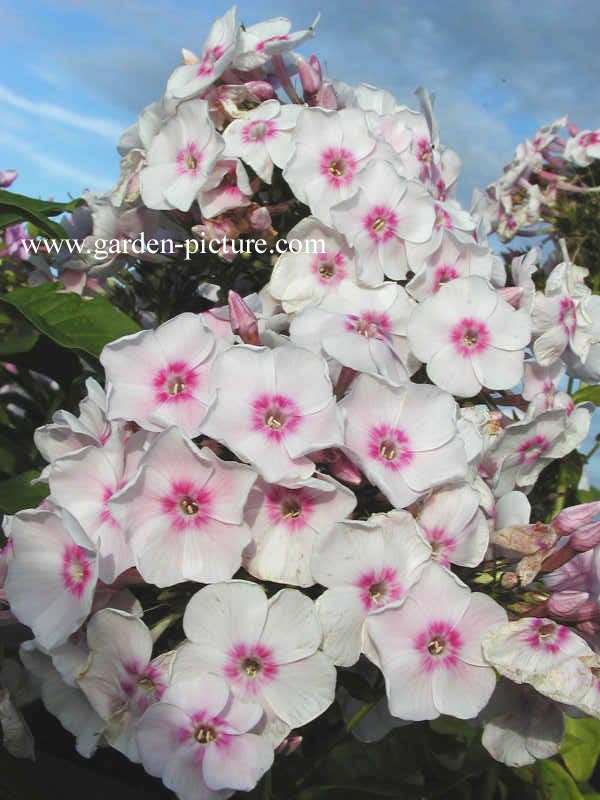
(590, 394)
(19, 208)
(17, 493)
(581, 747)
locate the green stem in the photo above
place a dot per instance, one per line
(561, 493)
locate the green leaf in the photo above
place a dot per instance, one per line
(590, 394)
(68, 319)
(17, 493)
(16, 334)
(19, 208)
(581, 747)
(555, 782)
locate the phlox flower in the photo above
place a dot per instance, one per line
(161, 377)
(364, 329)
(228, 188)
(181, 158)
(455, 527)
(183, 512)
(286, 522)
(199, 740)
(429, 648)
(267, 650)
(51, 576)
(260, 42)
(538, 380)
(469, 337)
(305, 278)
(403, 438)
(330, 150)
(366, 566)
(584, 148)
(385, 213)
(588, 368)
(218, 52)
(272, 407)
(262, 138)
(120, 680)
(522, 268)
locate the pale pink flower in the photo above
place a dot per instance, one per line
(385, 213)
(199, 740)
(429, 648)
(454, 526)
(218, 52)
(260, 42)
(160, 377)
(228, 187)
(584, 148)
(366, 566)
(403, 438)
(7, 176)
(120, 678)
(180, 159)
(469, 337)
(538, 380)
(560, 322)
(287, 521)
(306, 277)
(183, 512)
(262, 138)
(51, 576)
(272, 407)
(267, 650)
(330, 150)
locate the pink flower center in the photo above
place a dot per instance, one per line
(209, 59)
(380, 223)
(251, 666)
(390, 447)
(546, 636)
(259, 130)
(587, 139)
(370, 324)
(443, 219)
(187, 506)
(142, 686)
(378, 588)
(338, 166)
(439, 645)
(567, 316)
(76, 569)
(290, 507)
(531, 450)
(470, 337)
(175, 382)
(275, 415)
(443, 274)
(330, 268)
(441, 544)
(188, 159)
(424, 151)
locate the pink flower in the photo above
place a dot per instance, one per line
(227, 188)
(267, 650)
(7, 176)
(469, 337)
(330, 150)
(260, 42)
(583, 148)
(51, 576)
(366, 566)
(199, 740)
(429, 648)
(160, 377)
(272, 407)
(287, 522)
(386, 212)
(183, 512)
(403, 438)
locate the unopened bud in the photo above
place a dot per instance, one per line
(261, 90)
(564, 603)
(7, 176)
(242, 320)
(260, 219)
(571, 519)
(509, 580)
(310, 77)
(586, 538)
(512, 294)
(326, 97)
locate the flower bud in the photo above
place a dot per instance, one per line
(512, 294)
(261, 90)
(7, 176)
(571, 519)
(242, 320)
(260, 219)
(326, 97)
(566, 602)
(310, 77)
(586, 538)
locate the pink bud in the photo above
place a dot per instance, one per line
(570, 519)
(586, 537)
(316, 65)
(260, 219)
(7, 176)
(573, 129)
(346, 471)
(261, 90)
(242, 320)
(512, 294)
(326, 97)
(289, 745)
(566, 602)
(310, 78)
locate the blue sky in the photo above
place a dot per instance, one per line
(76, 72)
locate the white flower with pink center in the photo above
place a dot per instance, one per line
(455, 527)
(160, 377)
(403, 438)
(199, 739)
(218, 52)
(260, 42)
(286, 521)
(262, 137)
(272, 408)
(267, 650)
(364, 329)
(183, 512)
(83, 483)
(51, 576)
(330, 150)
(538, 380)
(584, 148)
(470, 337)
(312, 274)
(365, 567)
(120, 679)
(386, 213)
(560, 322)
(228, 187)
(180, 159)
(429, 648)
(540, 652)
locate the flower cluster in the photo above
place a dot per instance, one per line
(331, 475)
